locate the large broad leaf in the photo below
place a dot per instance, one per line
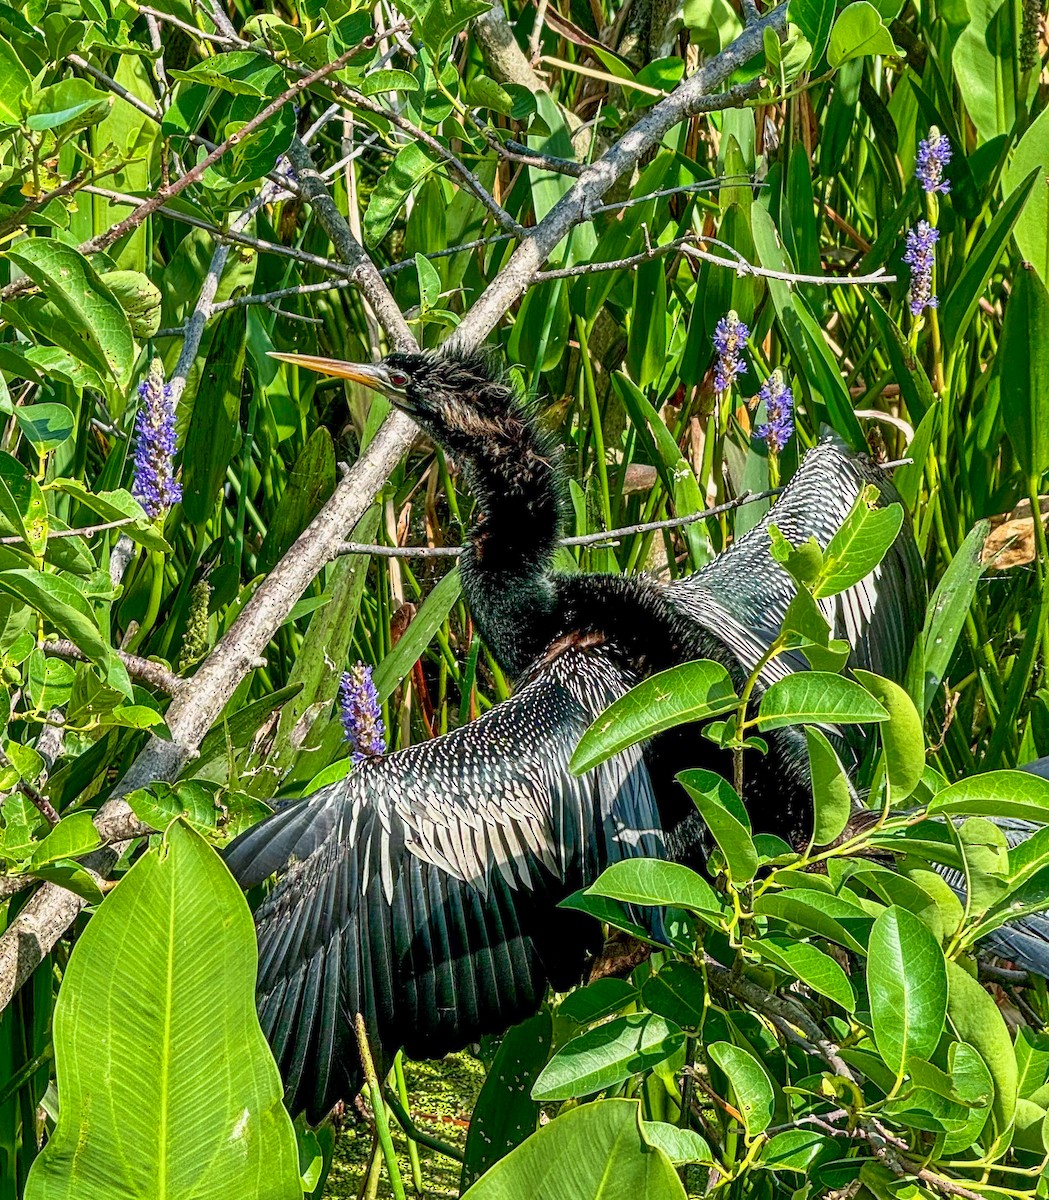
(907, 982)
(607, 1055)
(859, 545)
(595, 1152)
(751, 1086)
(859, 32)
(831, 792)
(817, 696)
(404, 174)
(651, 881)
(727, 820)
(1024, 364)
(505, 1113)
(13, 78)
(1032, 226)
(975, 1018)
(691, 692)
(902, 735)
(61, 604)
(73, 286)
(808, 963)
(1016, 794)
(169, 1091)
(814, 18)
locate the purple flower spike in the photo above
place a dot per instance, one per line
(155, 486)
(934, 153)
(730, 334)
(361, 715)
(920, 257)
(779, 408)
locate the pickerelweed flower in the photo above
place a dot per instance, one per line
(934, 153)
(920, 257)
(155, 486)
(730, 334)
(361, 715)
(778, 429)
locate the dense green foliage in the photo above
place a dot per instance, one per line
(830, 1020)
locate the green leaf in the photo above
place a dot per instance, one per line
(486, 93)
(806, 962)
(907, 983)
(404, 174)
(115, 506)
(142, 1101)
(14, 78)
(103, 337)
(651, 881)
(505, 1113)
(964, 297)
(975, 1018)
(793, 1150)
(599, 999)
(860, 543)
(23, 511)
(831, 793)
(726, 818)
(45, 426)
(437, 20)
(1032, 226)
(437, 605)
(1024, 361)
(946, 614)
(676, 992)
(825, 915)
(607, 1055)
(69, 105)
(679, 1145)
(608, 1157)
(691, 692)
(751, 1086)
(814, 18)
(71, 837)
(817, 697)
(310, 484)
(388, 80)
(429, 282)
(996, 794)
(859, 32)
(241, 72)
(161, 803)
(902, 735)
(61, 604)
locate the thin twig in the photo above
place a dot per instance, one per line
(742, 267)
(81, 531)
(153, 673)
(585, 539)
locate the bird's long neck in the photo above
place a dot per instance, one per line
(507, 567)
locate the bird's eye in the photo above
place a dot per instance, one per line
(398, 379)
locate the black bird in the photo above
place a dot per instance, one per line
(421, 890)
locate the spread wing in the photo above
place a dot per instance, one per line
(742, 595)
(421, 890)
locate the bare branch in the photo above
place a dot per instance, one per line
(155, 674)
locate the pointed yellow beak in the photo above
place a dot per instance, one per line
(370, 375)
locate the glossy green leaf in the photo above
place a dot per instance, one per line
(679, 1145)
(23, 511)
(818, 697)
(142, 1102)
(505, 1113)
(1032, 225)
(1024, 359)
(814, 18)
(751, 1086)
(652, 881)
(831, 791)
(68, 105)
(962, 300)
(45, 426)
(902, 735)
(62, 606)
(691, 692)
(858, 547)
(824, 915)
(594, 1152)
(974, 1018)
(907, 983)
(73, 836)
(808, 963)
(996, 794)
(859, 32)
(103, 337)
(676, 992)
(726, 818)
(403, 175)
(13, 79)
(606, 1055)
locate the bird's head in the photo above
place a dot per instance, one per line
(453, 397)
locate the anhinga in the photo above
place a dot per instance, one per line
(422, 889)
